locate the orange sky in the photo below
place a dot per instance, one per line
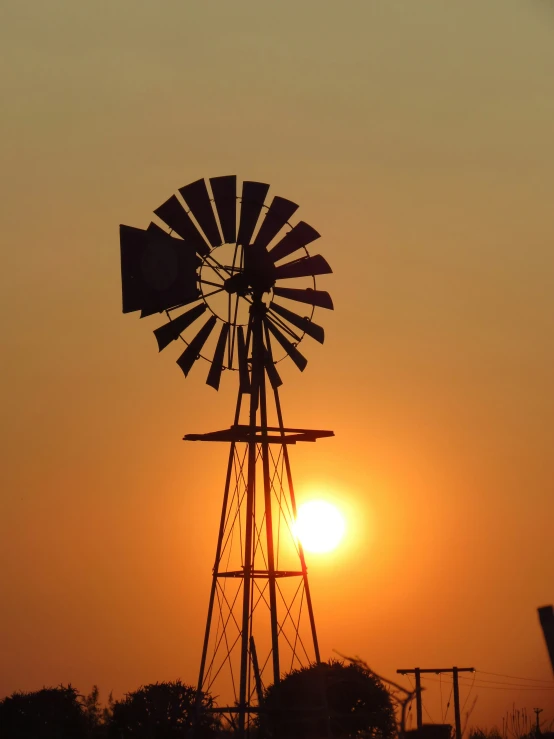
(417, 138)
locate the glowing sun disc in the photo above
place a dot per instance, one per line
(319, 526)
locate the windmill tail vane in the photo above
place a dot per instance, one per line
(230, 273)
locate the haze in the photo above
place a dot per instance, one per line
(417, 137)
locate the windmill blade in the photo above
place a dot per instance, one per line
(276, 217)
(244, 377)
(157, 271)
(224, 190)
(299, 359)
(298, 237)
(214, 375)
(186, 269)
(301, 322)
(319, 298)
(131, 245)
(253, 196)
(190, 355)
(178, 220)
(197, 198)
(170, 331)
(153, 228)
(151, 310)
(271, 371)
(305, 267)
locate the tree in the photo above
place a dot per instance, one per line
(50, 713)
(98, 717)
(93, 710)
(162, 711)
(328, 700)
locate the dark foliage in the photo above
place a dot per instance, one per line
(98, 716)
(161, 711)
(485, 734)
(50, 713)
(329, 699)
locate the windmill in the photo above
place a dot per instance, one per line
(230, 272)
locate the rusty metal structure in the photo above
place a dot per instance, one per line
(229, 272)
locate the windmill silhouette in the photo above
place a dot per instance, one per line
(221, 288)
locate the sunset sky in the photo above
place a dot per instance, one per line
(418, 138)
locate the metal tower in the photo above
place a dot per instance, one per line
(260, 620)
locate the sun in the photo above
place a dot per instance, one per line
(319, 526)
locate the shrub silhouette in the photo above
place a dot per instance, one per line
(50, 713)
(162, 711)
(329, 699)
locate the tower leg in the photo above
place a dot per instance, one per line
(247, 566)
(303, 565)
(217, 561)
(215, 570)
(268, 516)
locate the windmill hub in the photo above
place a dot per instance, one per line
(258, 275)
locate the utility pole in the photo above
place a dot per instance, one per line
(417, 671)
(419, 705)
(537, 728)
(456, 691)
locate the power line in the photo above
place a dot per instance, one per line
(513, 685)
(514, 677)
(505, 686)
(422, 705)
(484, 682)
(469, 692)
(448, 704)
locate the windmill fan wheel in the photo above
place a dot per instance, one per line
(219, 255)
